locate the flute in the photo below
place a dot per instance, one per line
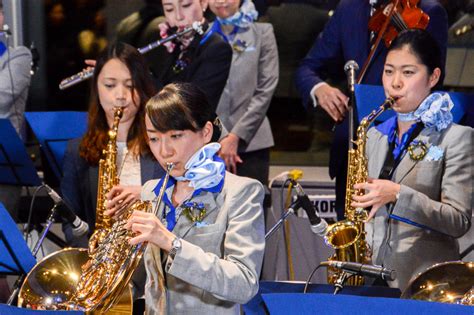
(86, 74)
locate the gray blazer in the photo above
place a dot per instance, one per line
(17, 63)
(434, 207)
(219, 263)
(250, 86)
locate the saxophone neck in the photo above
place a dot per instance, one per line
(387, 104)
(108, 172)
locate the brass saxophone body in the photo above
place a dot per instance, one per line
(95, 281)
(347, 237)
(107, 179)
(103, 277)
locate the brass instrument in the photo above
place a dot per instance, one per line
(88, 73)
(448, 282)
(97, 281)
(347, 237)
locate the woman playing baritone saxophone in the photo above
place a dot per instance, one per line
(421, 205)
(120, 79)
(206, 244)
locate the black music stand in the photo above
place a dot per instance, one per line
(53, 130)
(16, 167)
(15, 256)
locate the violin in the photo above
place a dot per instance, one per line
(389, 20)
(402, 15)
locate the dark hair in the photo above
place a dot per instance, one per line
(424, 47)
(96, 137)
(182, 106)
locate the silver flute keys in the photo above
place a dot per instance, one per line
(86, 74)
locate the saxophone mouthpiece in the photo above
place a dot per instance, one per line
(389, 102)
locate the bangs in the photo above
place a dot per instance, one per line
(167, 111)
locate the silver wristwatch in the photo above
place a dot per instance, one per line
(175, 247)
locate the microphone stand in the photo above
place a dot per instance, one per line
(339, 283)
(39, 242)
(352, 118)
(350, 69)
(290, 210)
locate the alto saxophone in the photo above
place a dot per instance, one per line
(347, 237)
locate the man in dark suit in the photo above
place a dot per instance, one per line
(347, 37)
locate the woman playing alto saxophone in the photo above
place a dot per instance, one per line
(205, 246)
(420, 164)
(121, 80)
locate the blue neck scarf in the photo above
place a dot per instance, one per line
(205, 172)
(434, 112)
(202, 171)
(242, 18)
(406, 116)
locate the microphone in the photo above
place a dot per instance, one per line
(318, 225)
(79, 227)
(350, 69)
(5, 30)
(363, 269)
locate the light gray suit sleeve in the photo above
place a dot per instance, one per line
(248, 124)
(452, 214)
(19, 64)
(235, 276)
(14, 78)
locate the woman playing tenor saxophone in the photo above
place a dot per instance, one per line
(206, 243)
(420, 166)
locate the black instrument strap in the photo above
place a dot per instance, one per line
(390, 163)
